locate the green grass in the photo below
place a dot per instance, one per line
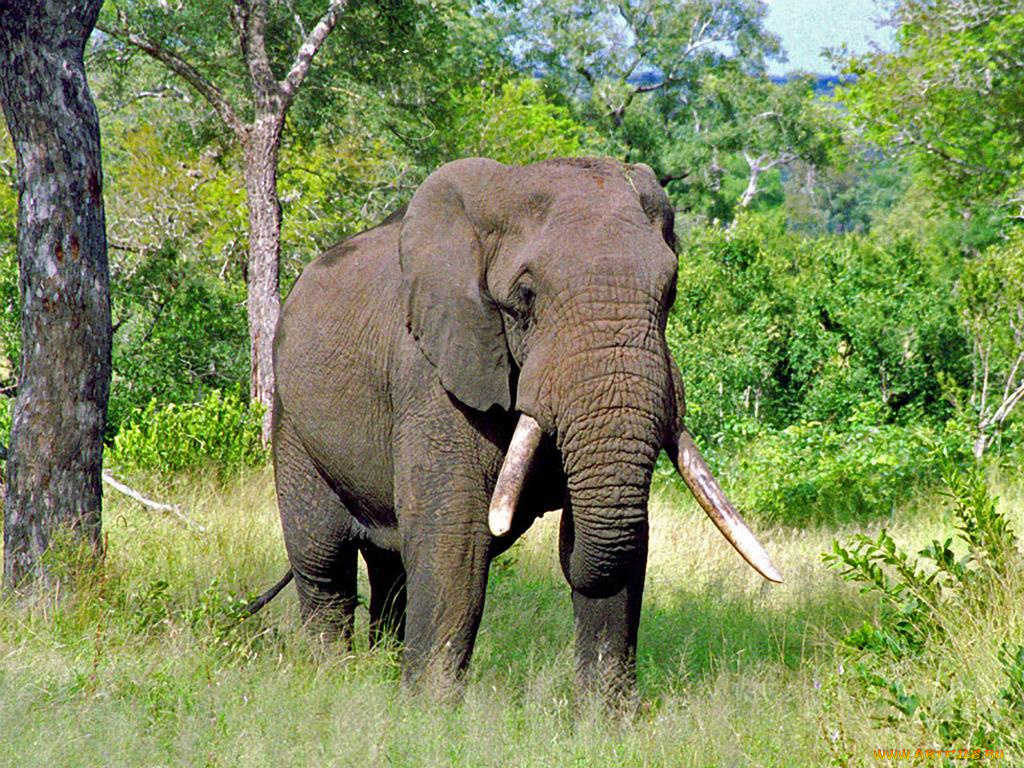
(138, 662)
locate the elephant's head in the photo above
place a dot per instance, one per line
(545, 289)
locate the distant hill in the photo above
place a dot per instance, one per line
(824, 85)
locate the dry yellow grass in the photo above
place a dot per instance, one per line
(137, 664)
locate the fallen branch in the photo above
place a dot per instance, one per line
(158, 506)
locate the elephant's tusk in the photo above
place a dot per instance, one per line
(524, 444)
(709, 495)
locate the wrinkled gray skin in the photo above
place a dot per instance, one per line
(403, 358)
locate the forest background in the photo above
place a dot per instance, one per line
(850, 312)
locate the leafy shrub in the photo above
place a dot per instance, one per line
(179, 333)
(10, 300)
(813, 472)
(6, 415)
(10, 310)
(222, 429)
(902, 659)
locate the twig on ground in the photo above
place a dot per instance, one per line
(158, 506)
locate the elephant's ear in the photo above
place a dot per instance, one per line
(456, 324)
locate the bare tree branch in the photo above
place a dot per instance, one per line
(159, 92)
(298, 20)
(586, 74)
(1012, 378)
(250, 18)
(1007, 405)
(671, 176)
(158, 506)
(647, 88)
(314, 40)
(184, 70)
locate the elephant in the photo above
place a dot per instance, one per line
(493, 351)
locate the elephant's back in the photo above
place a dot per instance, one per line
(332, 357)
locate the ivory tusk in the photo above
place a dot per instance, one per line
(702, 484)
(524, 444)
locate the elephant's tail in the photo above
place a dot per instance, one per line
(256, 605)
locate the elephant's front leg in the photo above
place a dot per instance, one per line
(606, 629)
(446, 584)
(446, 552)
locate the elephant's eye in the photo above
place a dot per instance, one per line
(525, 296)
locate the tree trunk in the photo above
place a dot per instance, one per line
(56, 451)
(753, 177)
(261, 141)
(981, 444)
(264, 295)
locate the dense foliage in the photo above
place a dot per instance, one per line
(222, 430)
(773, 328)
(825, 371)
(840, 317)
(951, 98)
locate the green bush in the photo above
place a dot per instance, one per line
(10, 316)
(178, 334)
(6, 415)
(222, 429)
(821, 372)
(775, 328)
(815, 472)
(910, 660)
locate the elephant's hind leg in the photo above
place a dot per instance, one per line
(319, 538)
(387, 594)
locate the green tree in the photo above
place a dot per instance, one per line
(378, 93)
(950, 97)
(991, 302)
(770, 125)
(854, 193)
(179, 333)
(277, 44)
(634, 68)
(515, 125)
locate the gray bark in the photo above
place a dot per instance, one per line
(263, 303)
(56, 451)
(758, 166)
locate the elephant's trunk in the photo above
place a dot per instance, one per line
(609, 435)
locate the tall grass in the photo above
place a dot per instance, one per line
(140, 661)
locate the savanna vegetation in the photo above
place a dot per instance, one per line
(849, 323)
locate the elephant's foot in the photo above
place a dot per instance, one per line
(441, 627)
(606, 678)
(441, 679)
(328, 608)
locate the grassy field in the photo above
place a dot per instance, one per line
(138, 662)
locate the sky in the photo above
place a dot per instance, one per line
(807, 26)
